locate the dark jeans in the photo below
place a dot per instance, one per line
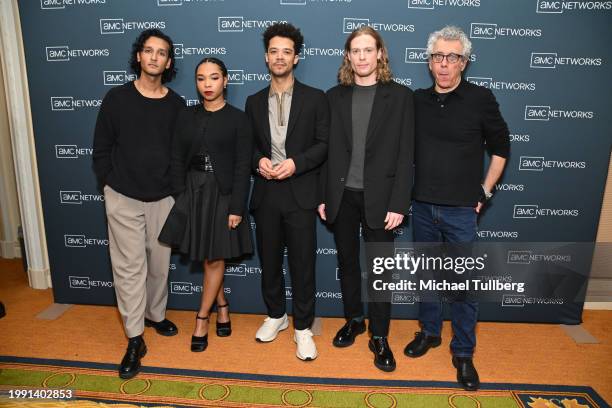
(346, 235)
(281, 222)
(438, 223)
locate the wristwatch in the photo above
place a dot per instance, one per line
(486, 195)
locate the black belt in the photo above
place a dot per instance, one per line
(201, 162)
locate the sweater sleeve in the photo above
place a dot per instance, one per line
(105, 137)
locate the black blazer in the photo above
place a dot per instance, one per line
(306, 142)
(227, 136)
(389, 152)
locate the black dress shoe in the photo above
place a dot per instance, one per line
(420, 344)
(467, 375)
(2, 310)
(165, 327)
(383, 356)
(347, 333)
(199, 343)
(130, 365)
(223, 329)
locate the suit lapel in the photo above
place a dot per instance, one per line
(264, 114)
(297, 101)
(346, 111)
(381, 100)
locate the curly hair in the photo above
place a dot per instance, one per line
(346, 75)
(450, 33)
(285, 30)
(138, 45)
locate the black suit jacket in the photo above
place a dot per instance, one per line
(227, 137)
(388, 168)
(306, 142)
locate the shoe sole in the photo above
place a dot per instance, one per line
(304, 358)
(384, 368)
(434, 345)
(127, 376)
(307, 358)
(343, 345)
(280, 328)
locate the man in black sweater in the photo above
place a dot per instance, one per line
(455, 121)
(131, 157)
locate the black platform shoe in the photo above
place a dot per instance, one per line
(199, 343)
(223, 329)
(130, 364)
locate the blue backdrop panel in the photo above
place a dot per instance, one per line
(547, 62)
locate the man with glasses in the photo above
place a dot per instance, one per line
(455, 121)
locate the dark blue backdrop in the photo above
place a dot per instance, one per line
(547, 62)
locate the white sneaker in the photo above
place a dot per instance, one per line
(306, 347)
(270, 328)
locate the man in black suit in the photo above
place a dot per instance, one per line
(290, 124)
(367, 179)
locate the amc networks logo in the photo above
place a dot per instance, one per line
(113, 78)
(510, 300)
(79, 282)
(416, 56)
(404, 298)
(71, 151)
(184, 288)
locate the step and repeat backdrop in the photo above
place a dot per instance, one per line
(547, 62)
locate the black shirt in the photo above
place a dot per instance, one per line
(451, 136)
(132, 142)
(227, 137)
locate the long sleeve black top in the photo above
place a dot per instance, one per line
(227, 137)
(451, 136)
(132, 142)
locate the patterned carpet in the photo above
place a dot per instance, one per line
(96, 385)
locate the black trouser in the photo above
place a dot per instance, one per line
(281, 222)
(346, 235)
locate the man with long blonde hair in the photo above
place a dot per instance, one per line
(367, 180)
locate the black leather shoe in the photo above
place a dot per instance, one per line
(223, 329)
(383, 356)
(199, 343)
(2, 310)
(420, 344)
(130, 365)
(165, 327)
(347, 333)
(467, 375)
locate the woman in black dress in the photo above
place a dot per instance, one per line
(210, 169)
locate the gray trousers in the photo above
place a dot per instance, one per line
(140, 263)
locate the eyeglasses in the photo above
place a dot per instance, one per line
(451, 58)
